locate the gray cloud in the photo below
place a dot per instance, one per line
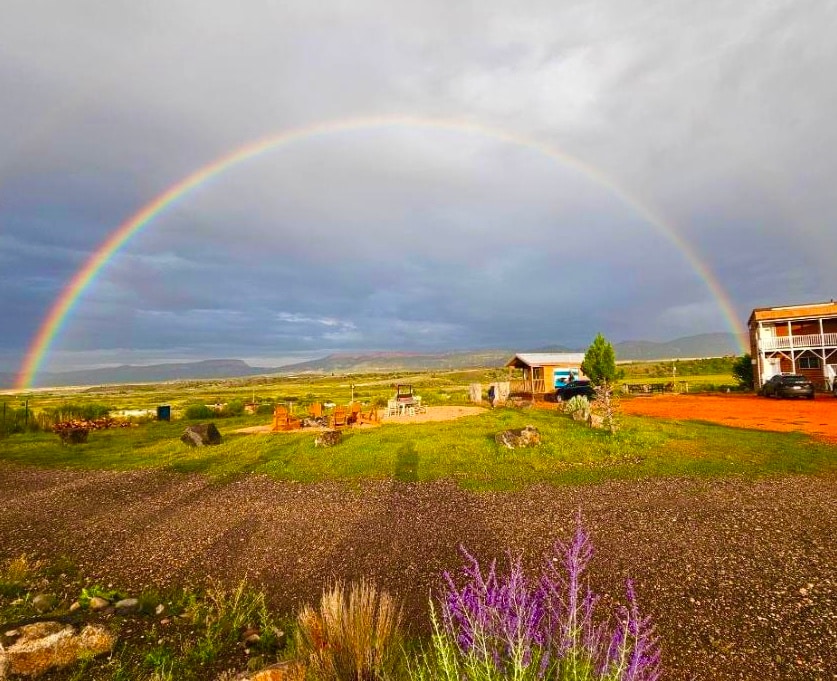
(715, 116)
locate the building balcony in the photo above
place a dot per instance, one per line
(806, 342)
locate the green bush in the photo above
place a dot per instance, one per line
(199, 411)
(233, 408)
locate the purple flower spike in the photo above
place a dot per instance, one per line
(545, 628)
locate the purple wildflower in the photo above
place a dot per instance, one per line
(547, 626)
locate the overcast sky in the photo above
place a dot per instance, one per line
(716, 116)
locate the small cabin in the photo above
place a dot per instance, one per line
(541, 372)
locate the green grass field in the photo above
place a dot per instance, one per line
(463, 450)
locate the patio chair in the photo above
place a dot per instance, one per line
(282, 419)
(339, 418)
(316, 410)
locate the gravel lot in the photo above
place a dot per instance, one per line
(740, 576)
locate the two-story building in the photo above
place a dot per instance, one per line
(796, 339)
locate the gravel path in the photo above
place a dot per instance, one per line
(740, 576)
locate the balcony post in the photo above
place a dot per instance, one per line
(790, 342)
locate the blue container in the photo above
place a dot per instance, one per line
(164, 412)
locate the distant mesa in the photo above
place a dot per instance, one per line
(703, 345)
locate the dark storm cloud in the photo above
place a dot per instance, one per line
(715, 115)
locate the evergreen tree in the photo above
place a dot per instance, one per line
(742, 369)
(599, 363)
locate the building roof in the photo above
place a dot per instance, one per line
(545, 359)
(807, 311)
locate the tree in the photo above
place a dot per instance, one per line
(599, 363)
(599, 366)
(742, 370)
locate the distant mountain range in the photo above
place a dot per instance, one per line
(703, 345)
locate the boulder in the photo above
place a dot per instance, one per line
(201, 434)
(48, 645)
(518, 438)
(328, 438)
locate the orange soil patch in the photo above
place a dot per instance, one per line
(432, 414)
(817, 417)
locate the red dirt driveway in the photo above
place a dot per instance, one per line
(817, 417)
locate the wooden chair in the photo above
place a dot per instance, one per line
(370, 416)
(339, 418)
(316, 410)
(354, 412)
(282, 419)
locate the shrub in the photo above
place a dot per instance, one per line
(354, 636)
(16, 574)
(576, 404)
(506, 626)
(199, 411)
(233, 408)
(742, 370)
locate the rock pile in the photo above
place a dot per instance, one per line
(329, 438)
(518, 438)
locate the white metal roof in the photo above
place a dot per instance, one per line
(539, 359)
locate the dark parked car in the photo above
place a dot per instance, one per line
(788, 385)
(573, 388)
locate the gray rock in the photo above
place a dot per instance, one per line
(201, 434)
(328, 438)
(44, 602)
(98, 603)
(126, 605)
(519, 438)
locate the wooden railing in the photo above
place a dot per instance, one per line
(813, 340)
(526, 387)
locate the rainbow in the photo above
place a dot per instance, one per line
(84, 277)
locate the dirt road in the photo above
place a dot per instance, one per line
(818, 416)
(739, 576)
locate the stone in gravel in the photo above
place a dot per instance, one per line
(43, 602)
(201, 434)
(98, 603)
(521, 437)
(126, 605)
(75, 605)
(281, 671)
(160, 609)
(329, 438)
(47, 645)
